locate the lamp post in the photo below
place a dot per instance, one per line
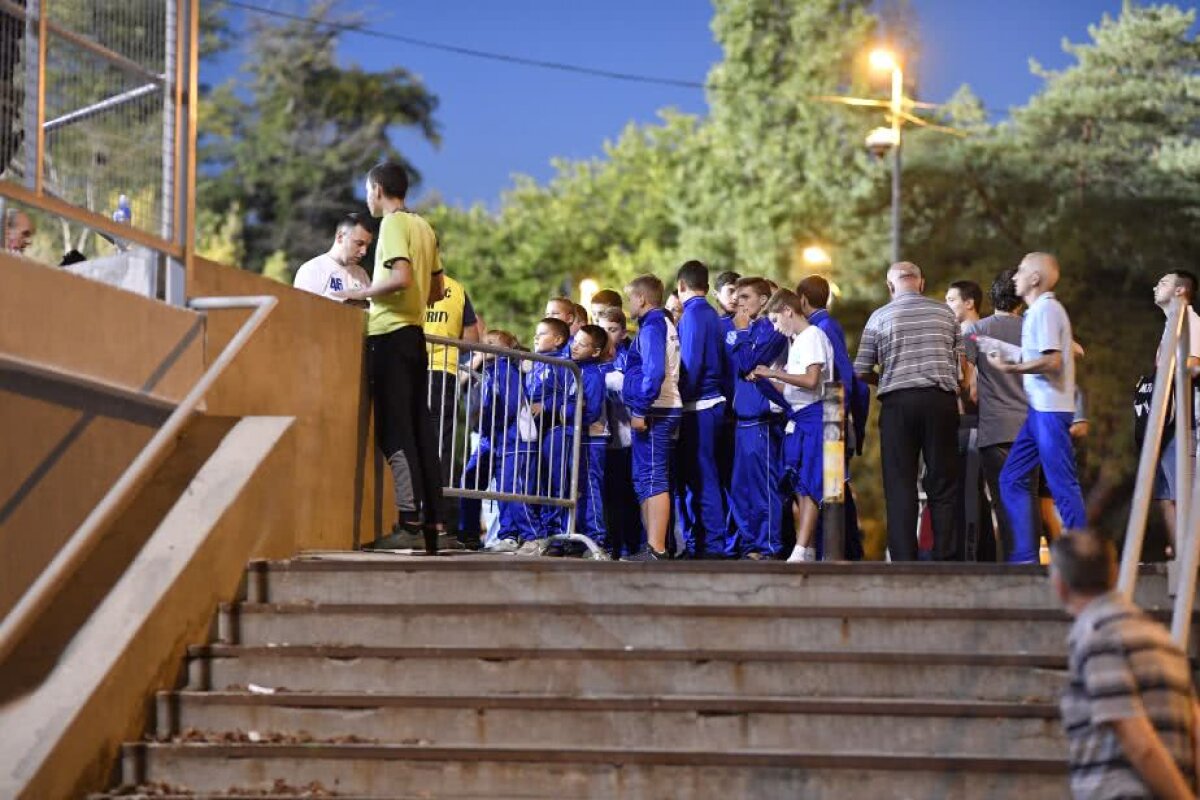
(884, 60)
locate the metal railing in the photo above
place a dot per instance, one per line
(87, 537)
(98, 101)
(1171, 378)
(489, 399)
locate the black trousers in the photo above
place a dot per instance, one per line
(916, 424)
(397, 370)
(443, 408)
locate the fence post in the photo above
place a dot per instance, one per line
(833, 504)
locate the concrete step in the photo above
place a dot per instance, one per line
(944, 630)
(928, 728)
(609, 672)
(351, 578)
(552, 772)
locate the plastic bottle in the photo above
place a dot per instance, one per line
(123, 214)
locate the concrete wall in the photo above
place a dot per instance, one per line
(63, 445)
(305, 362)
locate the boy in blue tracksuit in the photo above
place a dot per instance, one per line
(625, 533)
(809, 366)
(497, 453)
(587, 348)
(725, 291)
(699, 500)
(814, 297)
(651, 392)
(755, 501)
(546, 391)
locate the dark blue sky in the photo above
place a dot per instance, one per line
(500, 119)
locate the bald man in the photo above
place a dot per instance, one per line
(18, 231)
(1048, 367)
(915, 343)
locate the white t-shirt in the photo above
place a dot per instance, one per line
(810, 346)
(324, 276)
(1047, 328)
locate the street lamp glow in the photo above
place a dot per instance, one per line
(883, 60)
(587, 290)
(815, 256)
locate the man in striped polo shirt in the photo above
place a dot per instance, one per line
(1129, 710)
(916, 344)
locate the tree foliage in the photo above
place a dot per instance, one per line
(290, 148)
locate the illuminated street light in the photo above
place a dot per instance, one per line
(882, 60)
(815, 256)
(587, 290)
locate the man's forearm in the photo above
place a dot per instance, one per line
(869, 377)
(393, 283)
(1048, 364)
(1146, 753)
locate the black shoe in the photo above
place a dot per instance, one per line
(470, 542)
(447, 541)
(647, 553)
(402, 537)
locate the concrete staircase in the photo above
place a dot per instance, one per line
(473, 676)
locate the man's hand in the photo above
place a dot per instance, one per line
(535, 409)
(741, 320)
(761, 371)
(638, 423)
(998, 363)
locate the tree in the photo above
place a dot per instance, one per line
(292, 149)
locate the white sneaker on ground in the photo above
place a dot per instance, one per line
(503, 545)
(802, 554)
(533, 547)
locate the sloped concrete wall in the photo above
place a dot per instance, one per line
(61, 446)
(305, 362)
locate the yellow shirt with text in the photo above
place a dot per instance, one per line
(445, 318)
(403, 234)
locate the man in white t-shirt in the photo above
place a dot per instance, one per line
(1048, 366)
(809, 367)
(1174, 285)
(339, 270)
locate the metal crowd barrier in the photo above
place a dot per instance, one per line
(514, 425)
(1173, 353)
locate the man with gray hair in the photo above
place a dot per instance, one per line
(18, 231)
(1129, 709)
(916, 344)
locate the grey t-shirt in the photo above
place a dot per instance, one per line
(1002, 401)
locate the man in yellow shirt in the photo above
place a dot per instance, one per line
(408, 275)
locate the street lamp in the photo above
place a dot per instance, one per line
(877, 142)
(587, 290)
(814, 256)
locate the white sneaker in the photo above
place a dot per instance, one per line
(503, 545)
(800, 554)
(534, 547)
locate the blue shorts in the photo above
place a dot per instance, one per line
(803, 454)
(652, 457)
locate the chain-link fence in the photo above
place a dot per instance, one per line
(94, 123)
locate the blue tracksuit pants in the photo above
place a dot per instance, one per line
(699, 501)
(554, 480)
(754, 498)
(518, 468)
(1045, 441)
(589, 513)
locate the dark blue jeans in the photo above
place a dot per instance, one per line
(1044, 440)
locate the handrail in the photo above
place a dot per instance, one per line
(24, 366)
(1135, 531)
(85, 539)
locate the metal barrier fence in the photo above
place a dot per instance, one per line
(516, 419)
(98, 120)
(1171, 378)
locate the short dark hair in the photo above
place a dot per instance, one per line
(563, 301)
(1188, 281)
(613, 314)
(725, 278)
(353, 220)
(694, 275)
(1086, 561)
(561, 329)
(608, 297)
(650, 288)
(1004, 292)
(581, 314)
(784, 298)
(759, 286)
(969, 290)
(391, 178)
(598, 335)
(815, 290)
